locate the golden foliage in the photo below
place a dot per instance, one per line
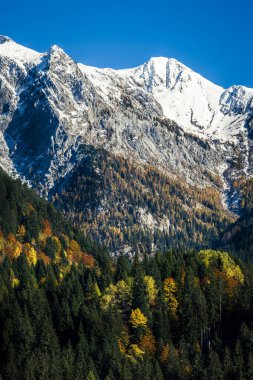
(12, 247)
(42, 256)
(183, 274)
(170, 291)
(13, 279)
(43, 280)
(88, 260)
(138, 319)
(75, 254)
(97, 290)
(14, 282)
(197, 347)
(132, 351)
(115, 230)
(222, 261)
(74, 246)
(148, 343)
(161, 193)
(151, 289)
(47, 228)
(119, 294)
(135, 353)
(30, 253)
(165, 353)
(21, 230)
(58, 251)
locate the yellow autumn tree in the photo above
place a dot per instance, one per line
(134, 352)
(224, 261)
(151, 289)
(21, 232)
(119, 294)
(14, 280)
(138, 319)
(30, 253)
(58, 248)
(74, 251)
(170, 291)
(109, 298)
(74, 246)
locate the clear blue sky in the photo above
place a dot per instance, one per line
(213, 37)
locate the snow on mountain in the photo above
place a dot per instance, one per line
(161, 113)
(193, 102)
(18, 53)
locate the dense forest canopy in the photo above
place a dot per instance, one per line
(68, 310)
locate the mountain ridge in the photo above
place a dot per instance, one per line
(52, 109)
(168, 71)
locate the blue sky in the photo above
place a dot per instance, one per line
(212, 37)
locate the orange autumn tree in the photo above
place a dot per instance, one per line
(45, 233)
(88, 260)
(148, 343)
(224, 267)
(47, 230)
(12, 247)
(165, 353)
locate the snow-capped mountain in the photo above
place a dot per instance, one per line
(193, 102)
(161, 113)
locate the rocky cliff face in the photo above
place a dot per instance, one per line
(160, 113)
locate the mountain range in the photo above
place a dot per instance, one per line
(155, 153)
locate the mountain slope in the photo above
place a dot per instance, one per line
(52, 110)
(69, 314)
(190, 100)
(123, 205)
(31, 225)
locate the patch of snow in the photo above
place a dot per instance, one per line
(19, 53)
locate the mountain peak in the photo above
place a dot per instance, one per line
(56, 52)
(158, 59)
(4, 39)
(55, 48)
(164, 61)
(165, 69)
(161, 73)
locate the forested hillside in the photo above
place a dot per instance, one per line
(68, 310)
(238, 237)
(133, 208)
